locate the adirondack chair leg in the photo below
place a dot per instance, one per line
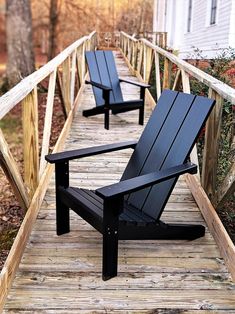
(141, 111)
(62, 211)
(93, 111)
(141, 115)
(110, 238)
(106, 119)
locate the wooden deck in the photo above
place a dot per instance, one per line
(63, 274)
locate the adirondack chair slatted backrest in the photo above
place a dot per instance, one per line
(102, 69)
(166, 141)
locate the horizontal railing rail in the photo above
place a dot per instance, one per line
(67, 72)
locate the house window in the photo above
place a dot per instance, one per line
(213, 12)
(189, 22)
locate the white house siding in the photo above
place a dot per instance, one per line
(208, 38)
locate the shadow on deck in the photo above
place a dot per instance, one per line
(63, 274)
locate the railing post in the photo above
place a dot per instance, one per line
(211, 148)
(167, 74)
(47, 121)
(148, 60)
(30, 138)
(140, 58)
(157, 73)
(66, 75)
(72, 81)
(178, 81)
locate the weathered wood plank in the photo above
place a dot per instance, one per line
(47, 122)
(166, 84)
(157, 74)
(30, 142)
(72, 81)
(128, 300)
(211, 148)
(66, 83)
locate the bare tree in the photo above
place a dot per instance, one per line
(20, 53)
(53, 21)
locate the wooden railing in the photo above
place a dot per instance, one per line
(108, 39)
(157, 38)
(112, 39)
(68, 70)
(142, 56)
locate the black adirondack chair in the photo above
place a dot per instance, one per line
(131, 209)
(107, 90)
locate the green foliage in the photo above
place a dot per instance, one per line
(217, 67)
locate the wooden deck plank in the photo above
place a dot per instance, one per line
(63, 274)
(109, 299)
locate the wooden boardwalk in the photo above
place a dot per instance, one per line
(63, 274)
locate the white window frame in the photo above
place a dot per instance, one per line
(189, 23)
(209, 13)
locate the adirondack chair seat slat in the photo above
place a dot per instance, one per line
(106, 87)
(132, 208)
(87, 199)
(132, 221)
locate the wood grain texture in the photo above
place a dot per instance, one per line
(30, 142)
(211, 148)
(66, 83)
(63, 274)
(167, 74)
(47, 122)
(157, 73)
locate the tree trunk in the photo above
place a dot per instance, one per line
(53, 19)
(20, 52)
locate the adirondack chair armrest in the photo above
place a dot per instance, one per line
(140, 84)
(86, 152)
(137, 183)
(98, 85)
